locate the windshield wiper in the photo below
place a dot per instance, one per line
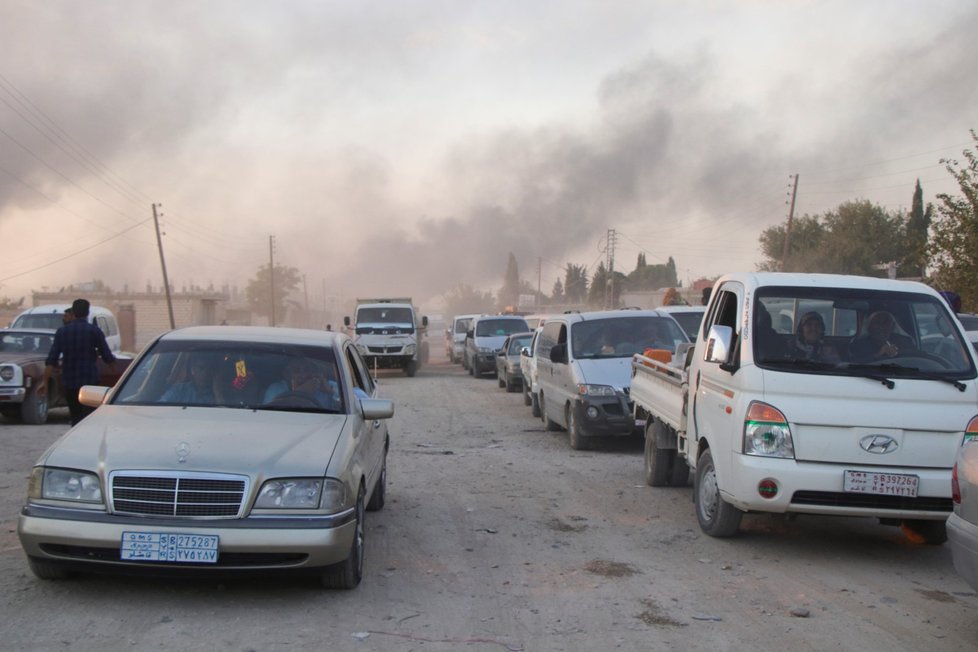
(902, 369)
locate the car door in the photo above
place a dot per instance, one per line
(371, 436)
(715, 388)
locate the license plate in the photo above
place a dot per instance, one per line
(883, 484)
(170, 547)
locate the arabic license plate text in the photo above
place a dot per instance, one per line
(883, 484)
(173, 547)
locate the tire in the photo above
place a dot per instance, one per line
(527, 399)
(46, 570)
(347, 574)
(379, 495)
(680, 471)
(717, 517)
(34, 409)
(550, 426)
(510, 385)
(535, 405)
(577, 440)
(411, 368)
(932, 533)
(658, 461)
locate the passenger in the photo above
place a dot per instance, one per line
(767, 345)
(199, 388)
(879, 339)
(303, 376)
(809, 342)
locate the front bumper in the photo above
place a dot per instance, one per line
(484, 363)
(963, 539)
(612, 416)
(816, 488)
(92, 540)
(12, 395)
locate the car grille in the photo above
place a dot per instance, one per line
(871, 501)
(384, 349)
(177, 495)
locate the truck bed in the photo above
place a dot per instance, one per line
(657, 388)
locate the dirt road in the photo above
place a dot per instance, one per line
(497, 536)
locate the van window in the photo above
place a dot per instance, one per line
(553, 333)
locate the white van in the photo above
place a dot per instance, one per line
(52, 316)
(460, 325)
(584, 368)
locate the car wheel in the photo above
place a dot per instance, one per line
(658, 461)
(717, 517)
(527, 399)
(680, 471)
(550, 425)
(411, 368)
(379, 495)
(510, 385)
(535, 405)
(577, 440)
(933, 533)
(46, 570)
(348, 573)
(34, 409)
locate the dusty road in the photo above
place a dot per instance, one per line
(497, 536)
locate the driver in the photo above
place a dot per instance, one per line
(880, 339)
(303, 376)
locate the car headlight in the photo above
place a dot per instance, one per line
(362, 349)
(596, 390)
(766, 432)
(290, 493)
(64, 484)
(409, 349)
(7, 373)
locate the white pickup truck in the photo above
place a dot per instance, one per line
(813, 394)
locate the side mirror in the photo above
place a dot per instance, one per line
(525, 351)
(376, 408)
(718, 344)
(424, 321)
(558, 354)
(92, 395)
(346, 321)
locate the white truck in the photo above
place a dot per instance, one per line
(387, 333)
(862, 420)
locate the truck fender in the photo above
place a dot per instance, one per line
(665, 437)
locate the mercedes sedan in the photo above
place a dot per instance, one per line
(222, 449)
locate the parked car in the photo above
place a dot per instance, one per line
(508, 361)
(51, 316)
(962, 524)
(969, 321)
(689, 318)
(528, 367)
(23, 352)
(584, 366)
(222, 448)
(485, 337)
(460, 325)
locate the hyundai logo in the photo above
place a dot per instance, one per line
(879, 444)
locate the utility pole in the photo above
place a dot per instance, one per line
(166, 281)
(609, 288)
(787, 231)
(271, 274)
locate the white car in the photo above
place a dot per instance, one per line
(221, 449)
(962, 524)
(689, 318)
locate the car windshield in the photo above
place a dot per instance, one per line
(43, 320)
(495, 327)
(26, 342)
(621, 337)
(858, 332)
(235, 375)
(399, 316)
(689, 321)
(517, 343)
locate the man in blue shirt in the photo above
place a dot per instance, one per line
(81, 344)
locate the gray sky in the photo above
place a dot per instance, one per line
(404, 147)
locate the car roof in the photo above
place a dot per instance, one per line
(263, 334)
(52, 308)
(668, 309)
(28, 331)
(574, 317)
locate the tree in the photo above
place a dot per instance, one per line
(954, 240)
(259, 290)
(600, 285)
(557, 294)
(915, 261)
(509, 293)
(804, 247)
(465, 300)
(6, 303)
(652, 277)
(575, 283)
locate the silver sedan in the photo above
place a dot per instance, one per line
(962, 524)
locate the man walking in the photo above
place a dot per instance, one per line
(80, 343)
